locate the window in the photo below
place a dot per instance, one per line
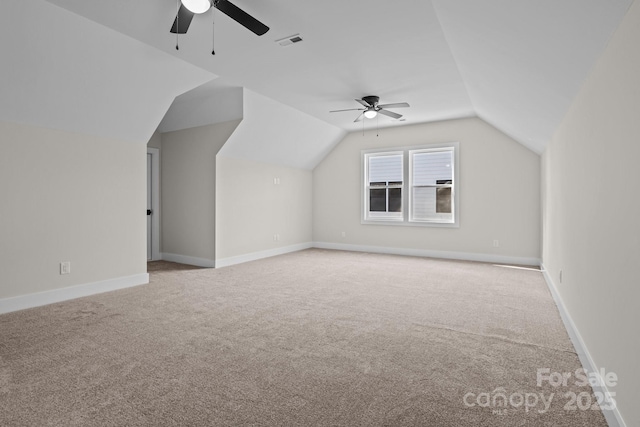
(413, 186)
(431, 179)
(384, 186)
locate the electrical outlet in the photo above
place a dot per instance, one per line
(344, 234)
(560, 276)
(276, 181)
(65, 267)
(496, 243)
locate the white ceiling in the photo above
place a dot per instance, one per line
(64, 72)
(284, 136)
(212, 102)
(515, 63)
(523, 62)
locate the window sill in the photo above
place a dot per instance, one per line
(410, 224)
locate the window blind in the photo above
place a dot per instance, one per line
(385, 168)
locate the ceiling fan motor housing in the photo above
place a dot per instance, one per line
(371, 100)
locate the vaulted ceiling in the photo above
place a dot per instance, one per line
(516, 64)
(62, 71)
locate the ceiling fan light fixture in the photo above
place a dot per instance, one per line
(370, 114)
(197, 6)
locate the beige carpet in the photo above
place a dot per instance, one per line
(311, 338)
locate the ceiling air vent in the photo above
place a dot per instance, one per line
(287, 41)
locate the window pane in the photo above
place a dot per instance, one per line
(385, 168)
(424, 202)
(378, 200)
(431, 204)
(443, 200)
(395, 200)
(431, 167)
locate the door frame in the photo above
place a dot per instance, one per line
(155, 203)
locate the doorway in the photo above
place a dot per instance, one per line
(153, 204)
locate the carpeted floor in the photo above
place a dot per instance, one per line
(315, 337)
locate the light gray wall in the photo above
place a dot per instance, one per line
(188, 189)
(251, 208)
(499, 192)
(591, 219)
(69, 197)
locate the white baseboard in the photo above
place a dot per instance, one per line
(253, 256)
(613, 417)
(465, 256)
(22, 302)
(190, 260)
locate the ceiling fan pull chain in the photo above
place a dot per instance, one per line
(213, 32)
(177, 23)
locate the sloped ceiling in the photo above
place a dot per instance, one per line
(523, 62)
(213, 102)
(272, 132)
(65, 72)
(514, 63)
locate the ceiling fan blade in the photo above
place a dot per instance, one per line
(363, 102)
(398, 105)
(390, 114)
(183, 20)
(359, 118)
(241, 17)
(349, 109)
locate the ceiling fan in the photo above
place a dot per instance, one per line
(188, 8)
(372, 108)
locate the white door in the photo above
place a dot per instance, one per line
(149, 205)
(153, 204)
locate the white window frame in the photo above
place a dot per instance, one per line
(407, 186)
(383, 216)
(411, 185)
